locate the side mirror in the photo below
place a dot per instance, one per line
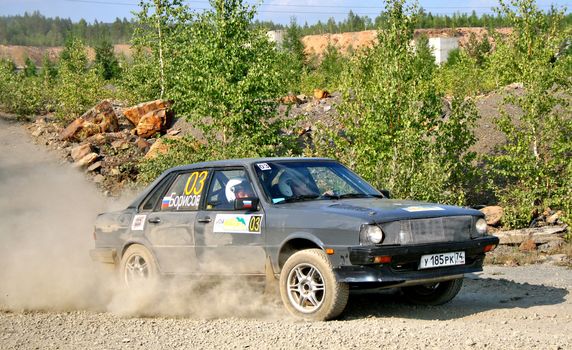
(385, 193)
(249, 203)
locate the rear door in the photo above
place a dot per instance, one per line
(170, 225)
(229, 241)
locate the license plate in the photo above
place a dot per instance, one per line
(442, 259)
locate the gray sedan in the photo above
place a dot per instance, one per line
(310, 224)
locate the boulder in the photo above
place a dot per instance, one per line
(493, 214)
(135, 113)
(151, 123)
(80, 151)
(95, 166)
(290, 99)
(72, 129)
(98, 119)
(142, 143)
(320, 94)
(87, 160)
(157, 148)
(553, 219)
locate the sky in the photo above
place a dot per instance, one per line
(279, 11)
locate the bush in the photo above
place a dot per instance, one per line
(533, 170)
(395, 134)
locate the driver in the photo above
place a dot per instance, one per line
(238, 187)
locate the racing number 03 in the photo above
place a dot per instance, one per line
(197, 178)
(254, 223)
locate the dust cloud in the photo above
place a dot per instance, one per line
(47, 211)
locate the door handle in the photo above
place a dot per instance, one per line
(154, 220)
(205, 220)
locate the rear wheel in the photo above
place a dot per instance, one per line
(137, 266)
(433, 293)
(309, 288)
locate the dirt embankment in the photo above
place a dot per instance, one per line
(51, 297)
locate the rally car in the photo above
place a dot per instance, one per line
(309, 224)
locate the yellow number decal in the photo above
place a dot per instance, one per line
(202, 177)
(196, 177)
(254, 224)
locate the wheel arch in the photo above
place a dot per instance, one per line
(295, 243)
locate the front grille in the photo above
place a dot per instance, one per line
(419, 231)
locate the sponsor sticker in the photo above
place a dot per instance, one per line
(264, 166)
(138, 223)
(231, 223)
(422, 208)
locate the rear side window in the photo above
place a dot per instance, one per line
(151, 201)
(186, 191)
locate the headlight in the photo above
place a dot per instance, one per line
(481, 226)
(371, 234)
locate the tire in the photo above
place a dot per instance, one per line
(137, 267)
(433, 293)
(309, 289)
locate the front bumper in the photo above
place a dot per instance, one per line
(404, 266)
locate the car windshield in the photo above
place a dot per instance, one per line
(292, 181)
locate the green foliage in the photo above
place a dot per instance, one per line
(21, 94)
(295, 63)
(325, 72)
(30, 69)
(478, 49)
(106, 61)
(78, 87)
(395, 134)
(226, 82)
(533, 170)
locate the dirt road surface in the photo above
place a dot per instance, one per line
(51, 298)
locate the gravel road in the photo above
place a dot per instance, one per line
(51, 298)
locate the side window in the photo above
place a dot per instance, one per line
(185, 192)
(226, 185)
(151, 200)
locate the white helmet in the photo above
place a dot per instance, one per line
(230, 187)
(284, 185)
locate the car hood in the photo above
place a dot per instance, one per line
(381, 209)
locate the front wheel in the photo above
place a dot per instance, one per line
(433, 293)
(309, 288)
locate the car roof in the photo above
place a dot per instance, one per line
(242, 162)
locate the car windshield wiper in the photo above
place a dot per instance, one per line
(352, 195)
(299, 198)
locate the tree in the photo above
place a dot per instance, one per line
(224, 78)
(394, 132)
(30, 69)
(106, 61)
(532, 170)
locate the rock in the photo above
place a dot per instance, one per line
(157, 148)
(550, 246)
(120, 144)
(528, 245)
(553, 219)
(493, 214)
(290, 99)
(39, 131)
(94, 166)
(80, 151)
(142, 143)
(86, 160)
(302, 98)
(98, 119)
(320, 94)
(173, 132)
(72, 129)
(135, 113)
(557, 258)
(98, 178)
(151, 123)
(327, 108)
